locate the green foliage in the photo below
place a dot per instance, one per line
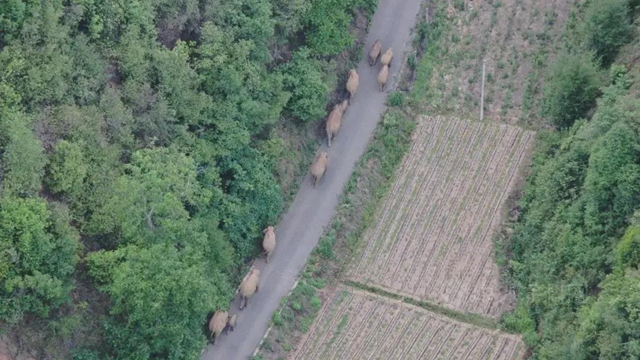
(68, 167)
(254, 199)
(23, 159)
(325, 246)
(37, 257)
(85, 354)
(396, 98)
(149, 199)
(327, 25)
(394, 139)
(583, 189)
(571, 89)
(607, 27)
(158, 126)
(628, 249)
(289, 15)
(13, 14)
(609, 328)
(309, 92)
(160, 296)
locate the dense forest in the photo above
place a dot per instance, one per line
(574, 253)
(139, 145)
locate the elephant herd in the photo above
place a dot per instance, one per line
(222, 321)
(334, 120)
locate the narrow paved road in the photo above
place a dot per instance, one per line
(312, 209)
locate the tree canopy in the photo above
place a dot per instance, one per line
(139, 146)
(573, 257)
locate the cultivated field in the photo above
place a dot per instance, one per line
(359, 325)
(432, 236)
(516, 37)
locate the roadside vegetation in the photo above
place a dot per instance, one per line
(369, 182)
(143, 147)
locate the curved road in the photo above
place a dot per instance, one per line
(312, 209)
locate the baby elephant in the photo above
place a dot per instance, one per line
(335, 120)
(374, 53)
(217, 324)
(352, 84)
(231, 323)
(382, 77)
(319, 167)
(386, 57)
(269, 241)
(249, 287)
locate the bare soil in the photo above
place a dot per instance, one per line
(516, 38)
(432, 238)
(379, 328)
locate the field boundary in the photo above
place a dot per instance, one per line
(345, 323)
(465, 317)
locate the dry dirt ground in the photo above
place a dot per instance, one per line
(433, 234)
(516, 38)
(359, 325)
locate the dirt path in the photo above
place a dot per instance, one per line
(312, 209)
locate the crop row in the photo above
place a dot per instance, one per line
(360, 325)
(432, 237)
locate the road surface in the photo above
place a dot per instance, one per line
(312, 209)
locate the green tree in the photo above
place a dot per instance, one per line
(571, 89)
(37, 257)
(610, 327)
(253, 199)
(151, 195)
(23, 160)
(612, 183)
(160, 299)
(607, 27)
(289, 16)
(67, 168)
(327, 26)
(304, 80)
(628, 249)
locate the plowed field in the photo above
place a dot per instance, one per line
(359, 325)
(432, 237)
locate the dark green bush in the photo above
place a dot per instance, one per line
(304, 80)
(37, 259)
(607, 27)
(396, 98)
(571, 90)
(327, 26)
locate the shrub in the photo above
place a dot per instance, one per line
(607, 27)
(160, 296)
(395, 99)
(23, 157)
(628, 249)
(327, 26)
(571, 90)
(68, 167)
(37, 259)
(309, 92)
